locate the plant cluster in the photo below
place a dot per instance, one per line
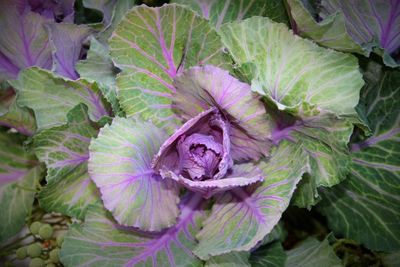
(200, 133)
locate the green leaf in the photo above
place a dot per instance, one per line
(52, 97)
(331, 32)
(278, 233)
(271, 255)
(220, 12)
(64, 150)
(113, 12)
(120, 165)
(324, 140)
(311, 253)
(13, 116)
(293, 73)
(255, 209)
(366, 206)
(234, 259)
(391, 259)
(100, 240)
(152, 46)
(19, 176)
(98, 67)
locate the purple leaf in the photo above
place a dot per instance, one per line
(120, 166)
(153, 45)
(60, 10)
(240, 175)
(255, 209)
(369, 21)
(66, 41)
(24, 42)
(101, 241)
(200, 88)
(169, 156)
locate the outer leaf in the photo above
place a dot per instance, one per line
(199, 88)
(64, 149)
(13, 116)
(234, 259)
(102, 241)
(365, 206)
(98, 67)
(151, 46)
(19, 175)
(220, 12)
(104, 6)
(120, 165)
(66, 41)
(52, 97)
(370, 23)
(24, 43)
(256, 209)
(71, 194)
(271, 255)
(331, 32)
(312, 253)
(295, 74)
(324, 140)
(113, 12)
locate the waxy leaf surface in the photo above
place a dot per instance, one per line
(52, 97)
(365, 207)
(153, 45)
(65, 151)
(100, 240)
(293, 73)
(19, 176)
(220, 12)
(120, 165)
(256, 209)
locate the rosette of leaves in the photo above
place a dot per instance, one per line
(202, 168)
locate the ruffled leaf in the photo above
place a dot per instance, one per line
(369, 198)
(120, 165)
(200, 88)
(19, 175)
(324, 141)
(331, 32)
(66, 41)
(24, 42)
(372, 24)
(153, 45)
(102, 241)
(240, 175)
(52, 97)
(65, 151)
(220, 12)
(113, 12)
(13, 116)
(255, 209)
(98, 67)
(294, 74)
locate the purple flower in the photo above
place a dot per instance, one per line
(227, 123)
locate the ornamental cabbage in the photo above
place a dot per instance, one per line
(184, 133)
